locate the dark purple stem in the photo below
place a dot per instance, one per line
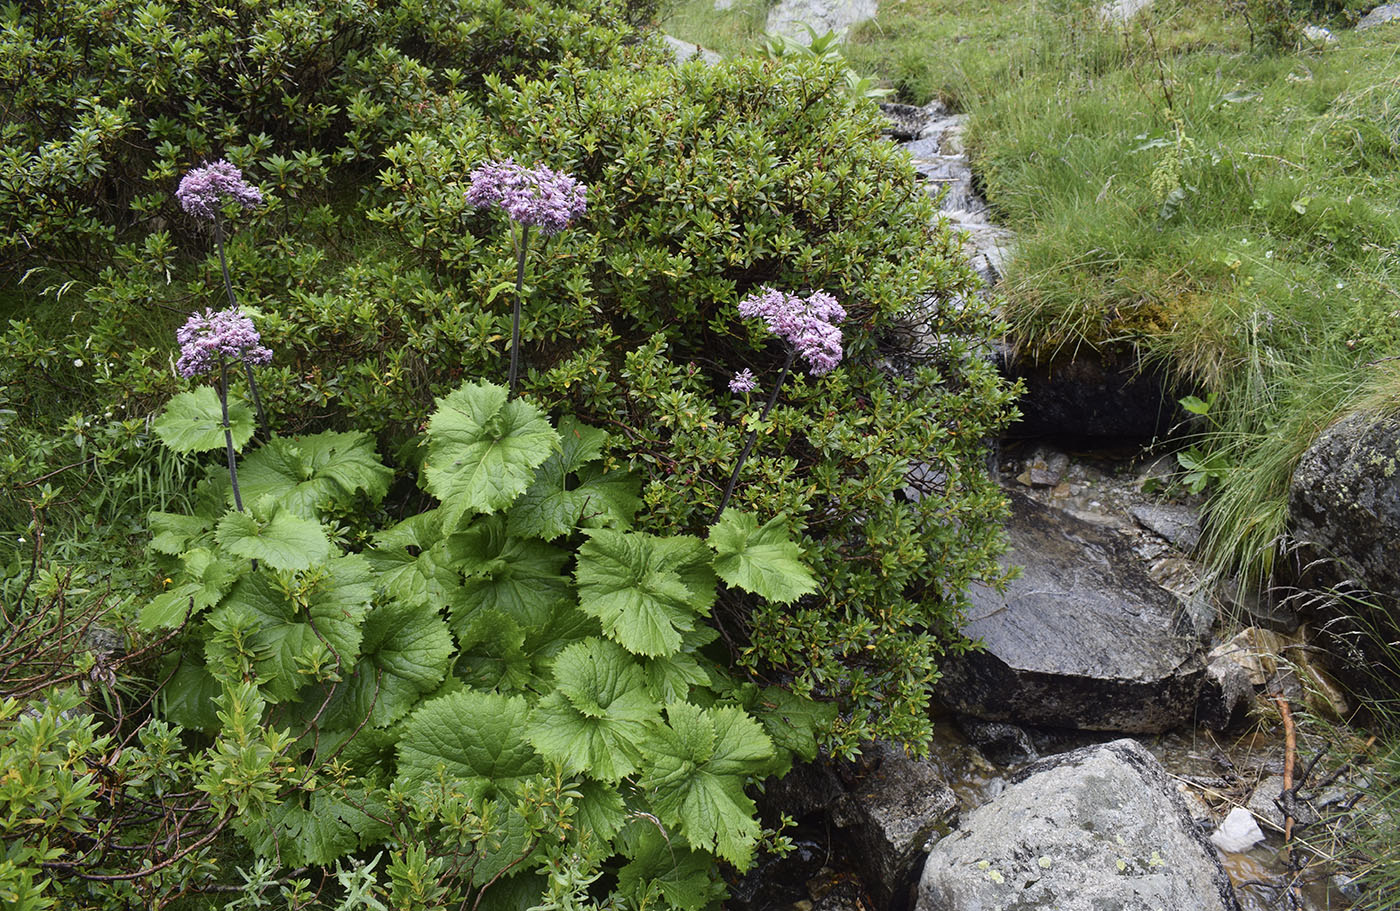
(753, 435)
(523, 245)
(233, 303)
(228, 434)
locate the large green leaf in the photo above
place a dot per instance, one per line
(273, 535)
(174, 532)
(646, 590)
(793, 721)
(274, 623)
(763, 560)
(194, 422)
(699, 764)
(660, 869)
(311, 474)
(334, 822)
(473, 740)
(483, 450)
(520, 578)
(187, 698)
(405, 652)
(491, 653)
(598, 714)
(203, 580)
(414, 563)
(572, 491)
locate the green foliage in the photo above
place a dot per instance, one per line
(762, 560)
(459, 675)
(193, 422)
(97, 132)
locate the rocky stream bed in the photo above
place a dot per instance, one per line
(1127, 739)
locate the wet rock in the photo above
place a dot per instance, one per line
(1091, 396)
(1084, 638)
(792, 18)
(774, 881)
(1044, 468)
(832, 891)
(1226, 694)
(888, 818)
(1100, 827)
(941, 161)
(880, 813)
(1265, 802)
(1002, 743)
(906, 121)
(1379, 16)
(1179, 526)
(1344, 503)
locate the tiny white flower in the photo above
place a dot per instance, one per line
(77, 362)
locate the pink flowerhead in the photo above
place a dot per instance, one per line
(206, 337)
(809, 325)
(534, 197)
(743, 381)
(202, 190)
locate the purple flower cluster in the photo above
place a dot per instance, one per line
(743, 381)
(202, 190)
(534, 197)
(205, 337)
(809, 325)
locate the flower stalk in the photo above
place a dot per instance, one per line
(522, 245)
(233, 305)
(228, 434)
(531, 197)
(809, 328)
(753, 436)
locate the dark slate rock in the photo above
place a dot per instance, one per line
(888, 817)
(1344, 512)
(906, 122)
(1179, 526)
(1084, 638)
(1094, 829)
(880, 812)
(1094, 395)
(1226, 695)
(1004, 744)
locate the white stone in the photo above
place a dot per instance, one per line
(1239, 832)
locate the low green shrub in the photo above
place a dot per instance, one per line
(704, 185)
(108, 103)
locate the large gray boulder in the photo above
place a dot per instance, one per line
(792, 18)
(1095, 829)
(1388, 12)
(1084, 638)
(1344, 504)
